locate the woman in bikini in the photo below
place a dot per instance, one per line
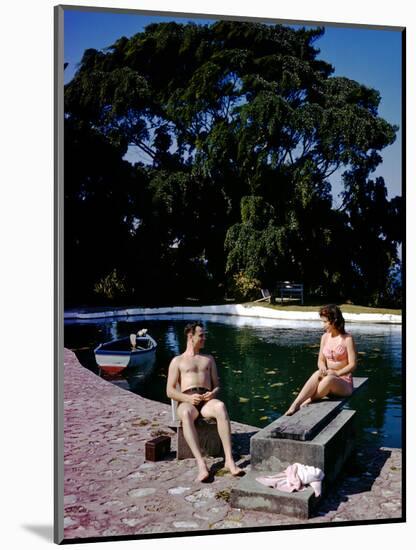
(336, 362)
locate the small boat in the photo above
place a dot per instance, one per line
(132, 351)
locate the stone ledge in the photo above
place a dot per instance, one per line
(309, 421)
(251, 495)
(328, 450)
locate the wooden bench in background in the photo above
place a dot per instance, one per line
(265, 296)
(287, 289)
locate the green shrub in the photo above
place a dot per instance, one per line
(245, 287)
(112, 286)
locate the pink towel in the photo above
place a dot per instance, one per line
(295, 478)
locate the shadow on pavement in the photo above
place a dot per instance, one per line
(241, 442)
(359, 475)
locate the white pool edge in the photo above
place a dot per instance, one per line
(234, 309)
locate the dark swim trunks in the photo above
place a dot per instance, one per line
(199, 391)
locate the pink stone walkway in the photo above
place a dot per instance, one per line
(110, 489)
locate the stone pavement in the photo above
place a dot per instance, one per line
(110, 490)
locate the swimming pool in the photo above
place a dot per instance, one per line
(262, 364)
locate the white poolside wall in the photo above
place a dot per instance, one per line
(233, 309)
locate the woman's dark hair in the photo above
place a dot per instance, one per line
(334, 316)
(191, 327)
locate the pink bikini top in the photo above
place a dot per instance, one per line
(339, 353)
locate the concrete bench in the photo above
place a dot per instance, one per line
(309, 436)
(321, 435)
(310, 420)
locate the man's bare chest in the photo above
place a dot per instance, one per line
(195, 365)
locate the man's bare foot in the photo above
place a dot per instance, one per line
(234, 470)
(203, 474)
(306, 403)
(291, 410)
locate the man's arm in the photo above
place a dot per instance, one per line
(173, 379)
(215, 382)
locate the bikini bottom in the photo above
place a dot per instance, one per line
(347, 378)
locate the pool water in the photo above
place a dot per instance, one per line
(262, 365)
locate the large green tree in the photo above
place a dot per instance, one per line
(241, 125)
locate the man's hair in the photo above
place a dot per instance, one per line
(191, 327)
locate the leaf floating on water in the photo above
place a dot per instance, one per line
(294, 392)
(376, 349)
(243, 399)
(237, 371)
(258, 396)
(264, 418)
(362, 353)
(266, 397)
(277, 384)
(271, 372)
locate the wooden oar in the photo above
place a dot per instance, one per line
(133, 340)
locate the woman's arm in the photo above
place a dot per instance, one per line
(321, 357)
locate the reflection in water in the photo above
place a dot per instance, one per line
(172, 341)
(262, 364)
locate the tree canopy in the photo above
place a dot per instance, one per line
(240, 125)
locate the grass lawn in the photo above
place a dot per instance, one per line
(346, 308)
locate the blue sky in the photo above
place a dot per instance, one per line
(372, 57)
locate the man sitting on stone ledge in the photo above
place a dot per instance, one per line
(198, 380)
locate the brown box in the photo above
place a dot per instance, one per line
(157, 448)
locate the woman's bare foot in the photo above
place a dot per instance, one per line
(291, 410)
(234, 469)
(306, 402)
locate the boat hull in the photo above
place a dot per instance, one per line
(114, 361)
